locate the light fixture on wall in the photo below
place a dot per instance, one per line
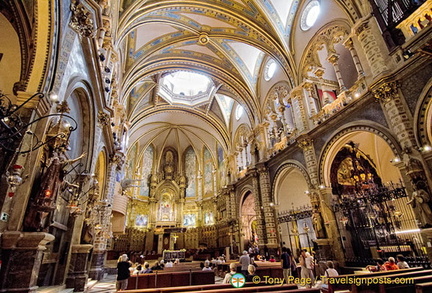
(14, 126)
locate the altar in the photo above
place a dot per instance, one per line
(172, 255)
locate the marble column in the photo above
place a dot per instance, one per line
(321, 203)
(334, 60)
(262, 237)
(349, 44)
(300, 116)
(269, 211)
(78, 274)
(21, 260)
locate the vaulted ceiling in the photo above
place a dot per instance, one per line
(225, 40)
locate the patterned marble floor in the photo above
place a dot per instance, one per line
(107, 285)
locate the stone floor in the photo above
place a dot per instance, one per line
(106, 285)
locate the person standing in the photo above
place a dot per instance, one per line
(245, 262)
(307, 265)
(288, 263)
(123, 272)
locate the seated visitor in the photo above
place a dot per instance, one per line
(251, 273)
(272, 259)
(147, 269)
(177, 261)
(378, 267)
(157, 267)
(329, 272)
(207, 262)
(162, 263)
(401, 263)
(228, 276)
(169, 264)
(391, 265)
(137, 270)
(207, 267)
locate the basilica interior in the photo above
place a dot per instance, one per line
(211, 127)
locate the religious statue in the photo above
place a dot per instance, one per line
(169, 165)
(420, 199)
(50, 185)
(317, 222)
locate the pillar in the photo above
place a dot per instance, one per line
(299, 109)
(262, 237)
(333, 59)
(371, 41)
(271, 243)
(350, 46)
(21, 260)
(321, 200)
(78, 274)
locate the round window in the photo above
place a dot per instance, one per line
(310, 15)
(270, 69)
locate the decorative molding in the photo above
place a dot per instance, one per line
(386, 91)
(81, 20)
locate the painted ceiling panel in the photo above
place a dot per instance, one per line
(200, 49)
(151, 31)
(247, 53)
(282, 7)
(208, 21)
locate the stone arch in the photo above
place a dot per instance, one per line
(341, 136)
(247, 215)
(423, 117)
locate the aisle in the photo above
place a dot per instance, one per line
(106, 285)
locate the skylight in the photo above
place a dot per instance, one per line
(185, 87)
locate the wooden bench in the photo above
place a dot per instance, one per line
(389, 277)
(424, 287)
(408, 288)
(170, 279)
(277, 288)
(337, 286)
(207, 288)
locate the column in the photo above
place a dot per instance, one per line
(321, 200)
(78, 274)
(349, 44)
(259, 212)
(371, 41)
(272, 242)
(299, 110)
(21, 260)
(333, 59)
(313, 107)
(103, 232)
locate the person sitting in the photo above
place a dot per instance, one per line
(156, 267)
(378, 267)
(207, 267)
(228, 276)
(169, 264)
(391, 265)
(251, 273)
(329, 272)
(177, 261)
(402, 264)
(147, 269)
(162, 263)
(272, 258)
(137, 270)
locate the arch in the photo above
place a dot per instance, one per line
(343, 135)
(423, 117)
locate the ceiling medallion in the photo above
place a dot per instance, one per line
(203, 39)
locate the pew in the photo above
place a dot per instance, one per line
(383, 287)
(170, 279)
(424, 287)
(408, 288)
(206, 288)
(336, 286)
(283, 288)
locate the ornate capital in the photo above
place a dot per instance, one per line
(361, 28)
(103, 118)
(305, 143)
(81, 19)
(333, 58)
(386, 91)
